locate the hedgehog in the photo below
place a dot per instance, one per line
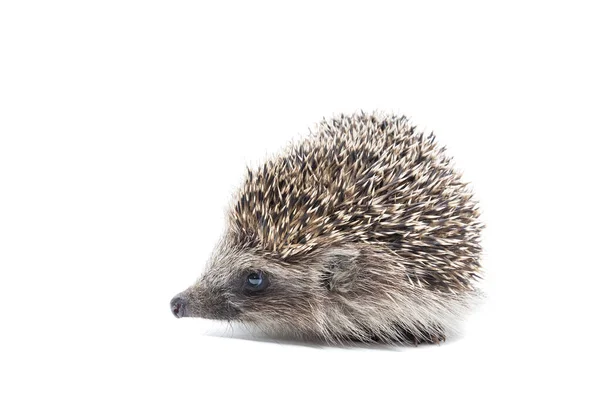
(364, 231)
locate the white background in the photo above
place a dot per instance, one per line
(125, 126)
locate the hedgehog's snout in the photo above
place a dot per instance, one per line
(178, 306)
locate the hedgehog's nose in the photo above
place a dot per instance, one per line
(178, 306)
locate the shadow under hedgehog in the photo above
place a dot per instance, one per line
(363, 231)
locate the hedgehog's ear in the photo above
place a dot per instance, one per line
(339, 268)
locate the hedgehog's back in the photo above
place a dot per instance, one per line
(360, 178)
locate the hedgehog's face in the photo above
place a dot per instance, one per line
(241, 285)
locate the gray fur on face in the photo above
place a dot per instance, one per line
(364, 231)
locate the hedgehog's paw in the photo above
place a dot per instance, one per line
(417, 338)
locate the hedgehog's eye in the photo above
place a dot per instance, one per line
(256, 280)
